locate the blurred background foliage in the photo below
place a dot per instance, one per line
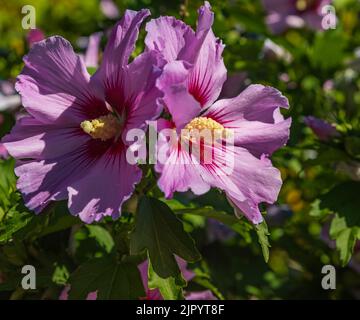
(317, 218)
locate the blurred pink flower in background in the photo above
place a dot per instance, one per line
(34, 35)
(323, 129)
(109, 9)
(91, 58)
(9, 99)
(284, 14)
(218, 231)
(64, 295)
(273, 51)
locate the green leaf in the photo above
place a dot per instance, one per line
(159, 231)
(344, 201)
(263, 233)
(241, 226)
(328, 49)
(112, 280)
(91, 70)
(60, 275)
(208, 285)
(170, 288)
(316, 211)
(54, 219)
(102, 236)
(14, 222)
(345, 242)
(352, 146)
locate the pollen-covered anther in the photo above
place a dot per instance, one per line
(104, 127)
(202, 123)
(197, 125)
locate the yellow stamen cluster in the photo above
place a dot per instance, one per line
(104, 127)
(196, 126)
(202, 123)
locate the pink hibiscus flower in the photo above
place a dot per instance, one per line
(72, 145)
(284, 14)
(191, 82)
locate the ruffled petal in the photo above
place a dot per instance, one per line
(167, 35)
(255, 103)
(54, 84)
(31, 139)
(90, 197)
(247, 180)
(209, 72)
(92, 51)
(179, 171)
(255, 117)
(194, 41)
(140, 92)
(177, 99)
(204, 51)
(118, 50)
(262, 138)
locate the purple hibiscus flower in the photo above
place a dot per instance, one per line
(191, 82)
(72, 144)
(284, 14)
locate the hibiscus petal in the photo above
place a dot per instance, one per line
(255, 117)
(200, 295)
(194, 41)
(255, 103)
(47, 180)
(90, 197)
(31, 139)
(204, 51)
(179, 102)
(54, 84)
(140, 92)
(247, 180)
(179, 172)
(119, 48)
(92, 51)
(209, 72)
(166, 35)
